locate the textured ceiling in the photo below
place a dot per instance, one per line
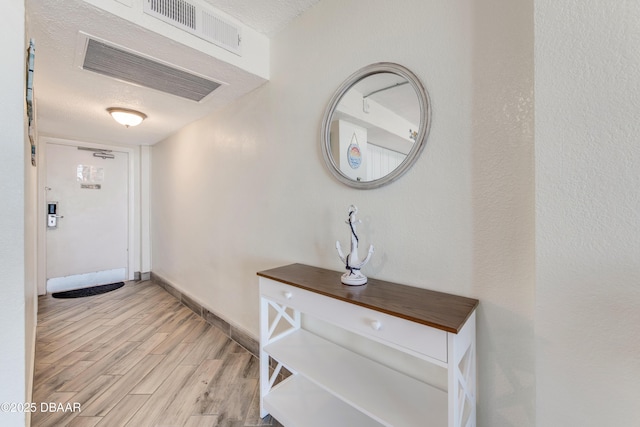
(71, 103)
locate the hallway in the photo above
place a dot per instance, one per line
(138, 357)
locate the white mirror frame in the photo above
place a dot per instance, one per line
(421, 139)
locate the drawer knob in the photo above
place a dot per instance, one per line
(376, 325)
(287, 294)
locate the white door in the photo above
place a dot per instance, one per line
(89, 244)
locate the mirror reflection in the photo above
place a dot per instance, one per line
(374, 126)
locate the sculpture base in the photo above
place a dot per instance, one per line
(353, 279)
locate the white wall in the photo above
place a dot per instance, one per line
(587, 215)
(145, 209)
(31, 266)
(246, 188)
(17, 299)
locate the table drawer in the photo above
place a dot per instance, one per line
(375, 325)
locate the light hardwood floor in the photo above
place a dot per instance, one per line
(138, 357)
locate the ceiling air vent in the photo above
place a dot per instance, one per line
(127, 66)
(195, 19)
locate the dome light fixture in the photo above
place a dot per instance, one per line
(126, 117)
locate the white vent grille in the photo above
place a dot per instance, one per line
(217, 29)
(195, 19)
(178, 11)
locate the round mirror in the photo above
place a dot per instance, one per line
(375, 125)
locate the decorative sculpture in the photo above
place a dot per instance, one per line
(353, 276)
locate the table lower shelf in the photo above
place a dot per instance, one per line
(342, 378)
(297, 402)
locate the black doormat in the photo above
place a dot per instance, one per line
(87, 292)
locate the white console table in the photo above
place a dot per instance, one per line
(333, 386)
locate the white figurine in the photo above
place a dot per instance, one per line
(353, 276)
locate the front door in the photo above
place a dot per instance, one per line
(87, 238)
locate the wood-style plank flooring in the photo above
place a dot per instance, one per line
(138, 357)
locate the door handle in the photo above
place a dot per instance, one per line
(52, 215)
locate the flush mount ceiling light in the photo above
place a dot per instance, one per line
(126, 117)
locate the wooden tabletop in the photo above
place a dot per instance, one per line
(436, 309)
